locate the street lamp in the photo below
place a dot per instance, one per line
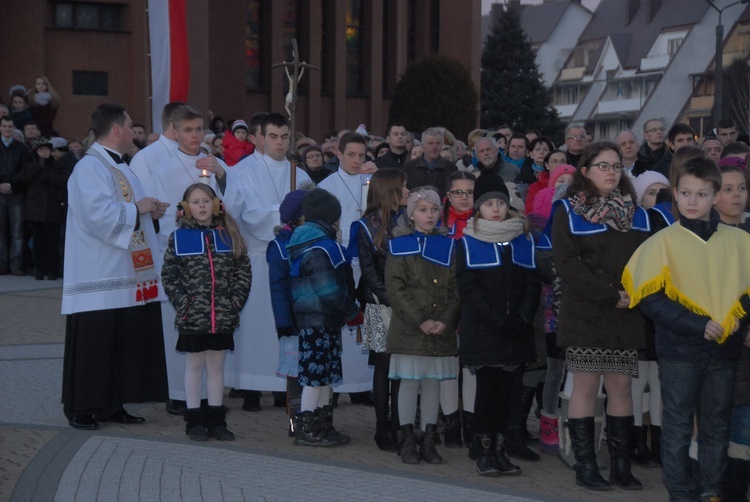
(719, 59)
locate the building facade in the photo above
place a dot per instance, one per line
(99, 51)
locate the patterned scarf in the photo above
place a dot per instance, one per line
(616, 209)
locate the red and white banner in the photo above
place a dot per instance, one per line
(170, 63)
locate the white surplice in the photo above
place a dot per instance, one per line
(169, 180)
(254, 190)
(98, 270)
(357, 374)
(146, 162)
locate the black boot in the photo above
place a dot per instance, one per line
(216, 423)
(501, 459)
(384, 437)
(527, 401)
(486, 465)
(619, 435)
(517, 445)
(408, 445)
(656, 444)
(307, 431)
(427, 449)
(195, 424)
(452, 432)
(468, 431)
(736, 480)
(279, 399)
(582, 441)
(251, 401)
(325, 416)
(641, 455)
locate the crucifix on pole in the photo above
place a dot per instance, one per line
(298, 69)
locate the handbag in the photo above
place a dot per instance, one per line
(385, 312)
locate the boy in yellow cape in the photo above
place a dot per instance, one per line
(692, 280)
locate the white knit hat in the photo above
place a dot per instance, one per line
(645, 180)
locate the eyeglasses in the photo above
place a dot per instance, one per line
(579, 137)
(314, 156)
(462, 193)
(605, 166)
(656, 129)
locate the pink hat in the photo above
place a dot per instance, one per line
(734, 161)
(559, 171)
(427, 193)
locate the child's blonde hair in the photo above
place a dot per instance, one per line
(229, 231)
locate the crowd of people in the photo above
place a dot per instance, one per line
(448, 284)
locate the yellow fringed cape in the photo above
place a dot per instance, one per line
(708, 278)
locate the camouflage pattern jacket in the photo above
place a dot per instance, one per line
(205, 283)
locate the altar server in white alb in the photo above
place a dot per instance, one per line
(146, 162)
(114, 350)
(252, 191)
(170, 179)
(349, 185)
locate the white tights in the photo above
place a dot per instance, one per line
(213, 362)
(648, 373)
(315, 397)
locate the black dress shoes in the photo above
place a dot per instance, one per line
(122, 417)
(83, 422)
(175, 407)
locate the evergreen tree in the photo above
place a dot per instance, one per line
(513, 91)
(435, 91)
(736, 96)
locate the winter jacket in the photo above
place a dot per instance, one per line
(418, 174)
(321, 278)
(590, 265)
(204, 282)
(235, 150)
(392, 160)
(372, 259)
(542, 182)
(420, 281)
(648, 157)
(13, 158)
(46, 190)
(44, 116)
(498, 302)
(280, 283)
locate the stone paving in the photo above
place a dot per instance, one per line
(41, 458)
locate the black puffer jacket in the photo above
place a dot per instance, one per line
(498, 306)
(372, 260)
(207, 290)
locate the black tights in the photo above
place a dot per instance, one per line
(492, 402)
(383, 389)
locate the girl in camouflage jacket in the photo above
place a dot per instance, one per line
(207, 277)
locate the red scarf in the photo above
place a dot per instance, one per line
(459, 219)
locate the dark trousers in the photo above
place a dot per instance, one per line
(46, 255)
(492, 402)
(688, 389)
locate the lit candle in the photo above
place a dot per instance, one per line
(204, 177)
(365, 191)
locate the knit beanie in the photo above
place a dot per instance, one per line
(239, 123)
(427, 193)
(290, 209)
(39, 142)
(320, 205)
(645, 180)
(734, 161)
(490, 186)
(559, 171)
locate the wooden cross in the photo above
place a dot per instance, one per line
(291, 104)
